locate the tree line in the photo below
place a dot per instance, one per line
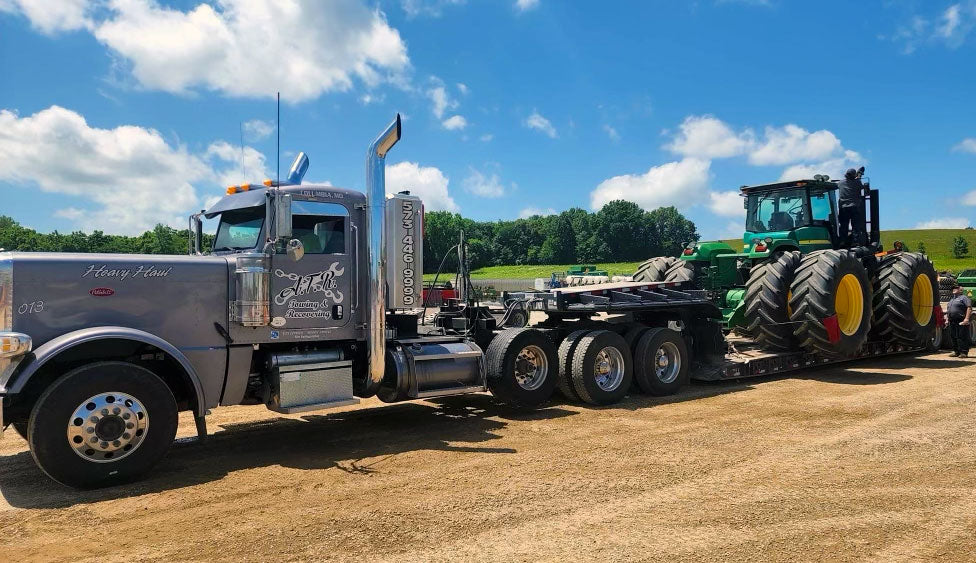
(619, 232)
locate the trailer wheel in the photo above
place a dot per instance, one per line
(661, 362)
(653, 270)
(831, 283)
(905, 294)
(102, 424)
(767, 302)
(602, 367)
(934, 344)
(566, 350)
(681, 271)
(522, 367)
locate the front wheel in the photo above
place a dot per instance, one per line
(102, 424)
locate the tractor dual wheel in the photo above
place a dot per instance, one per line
(661, 363)
(602, 368)
(767, 302)
(681, 271)
(831, 284)
(102, 424)
(522, 367)
(654, 270)
(905, 295)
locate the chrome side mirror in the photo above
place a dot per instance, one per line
(295, 249)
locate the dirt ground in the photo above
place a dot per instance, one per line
(874, 461)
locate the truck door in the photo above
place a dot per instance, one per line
(314, 292)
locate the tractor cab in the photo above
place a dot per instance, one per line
(797, 215)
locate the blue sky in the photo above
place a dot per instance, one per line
(117, 114)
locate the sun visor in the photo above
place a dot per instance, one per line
(240, 200)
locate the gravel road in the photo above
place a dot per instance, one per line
(874, 461)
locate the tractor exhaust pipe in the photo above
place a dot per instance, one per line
(376, 250)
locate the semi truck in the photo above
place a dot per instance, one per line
(311, 298)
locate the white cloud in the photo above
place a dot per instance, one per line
(612, 133)
(969, 198)
(253, 48)
(526, 5)
(484, 185)
(230, 159)
(951, 28)
(431, 8)
(726, 204)
(704, 136)
(256, 129)
(455, 123)
(966, 145)
(51, 16)
(944, 223)
(463, 88)
(131, 175)
(427, 182)
(442, 101)
(681, 184)
(833, 167)
(486, 137)
(539, 123)
(791, 143)
(533, 211)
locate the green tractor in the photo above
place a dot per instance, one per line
(796, 285)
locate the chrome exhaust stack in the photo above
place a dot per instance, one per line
(376, 251)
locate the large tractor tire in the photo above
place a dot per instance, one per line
(654, 270)
(905, 294)
(831, 283)
(767, 313)
(681, 271)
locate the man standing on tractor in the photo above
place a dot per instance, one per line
(960, 309)
(851, 220)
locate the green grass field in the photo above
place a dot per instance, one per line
(938, 246)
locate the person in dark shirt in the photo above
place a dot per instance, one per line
(851, 219)
(960, 309)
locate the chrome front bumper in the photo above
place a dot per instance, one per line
(13, 347)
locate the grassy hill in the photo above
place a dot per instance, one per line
(938, 246)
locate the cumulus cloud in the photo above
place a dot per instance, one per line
(256, 129)
(966, 145)
(791, 143)
(234, 166)
(430, 8)
(726, 204)
(441, 101)
(533, 211)
(944, 223)
(681, 184)
(455, 123)
(539, 123)
(833, 167)
(611, 132)
(251, 48)
(52, 16)
(969, 198)
(484, 185)
(427, 182)
(131, 175)
(526, 5)
(706, 137)
(950, 27)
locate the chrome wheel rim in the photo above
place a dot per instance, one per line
(608, 369)
(107, 427)
(667, 362)
(531, 368)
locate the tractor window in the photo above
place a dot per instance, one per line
(820, 206)
(320, 226)
(239, 229)
(780, 210)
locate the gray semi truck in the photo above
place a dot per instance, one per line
(310, 298)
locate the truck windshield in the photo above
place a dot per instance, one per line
(239, 229)
(779, 210)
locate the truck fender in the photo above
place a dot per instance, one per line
(52, 348)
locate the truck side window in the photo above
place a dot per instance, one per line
(320, 226)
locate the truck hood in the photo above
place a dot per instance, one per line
(177, 298)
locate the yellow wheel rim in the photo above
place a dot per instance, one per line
(922, 300)
(849, 304)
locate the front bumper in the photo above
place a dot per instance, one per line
(13, 347)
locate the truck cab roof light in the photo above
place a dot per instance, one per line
(231, 190)
(245, 187)
(268, 182)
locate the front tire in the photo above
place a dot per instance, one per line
(102, 424)
(767, 314)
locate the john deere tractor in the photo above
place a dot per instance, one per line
(796, 285)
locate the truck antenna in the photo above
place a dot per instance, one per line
(278, 147)
(243, 170)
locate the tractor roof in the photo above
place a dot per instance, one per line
(792, 184)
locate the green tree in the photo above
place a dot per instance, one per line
(960, 247)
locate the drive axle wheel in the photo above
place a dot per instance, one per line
(654, 270)
(566, 350)
(661, 363)
(602, 367)
(831, 283)
(905, 295)
(522, 367)
(767, 313)
(91, 427)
